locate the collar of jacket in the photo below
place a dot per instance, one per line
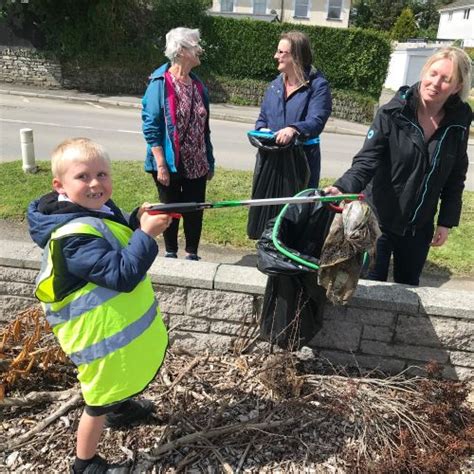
(160, 73)
(49, 205)
(309, 74)
(406, 102)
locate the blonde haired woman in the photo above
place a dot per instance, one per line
(415, 154)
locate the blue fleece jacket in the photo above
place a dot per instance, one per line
(307, 109)
(159, 120)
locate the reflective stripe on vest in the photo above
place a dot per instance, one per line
(116, 339)
(83, 303)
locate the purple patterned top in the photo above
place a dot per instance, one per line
(191, 117)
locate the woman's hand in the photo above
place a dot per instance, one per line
(285, 135)
(332, 191)
(163, 175)
(440, 236)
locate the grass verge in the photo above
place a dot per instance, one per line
(132, 186)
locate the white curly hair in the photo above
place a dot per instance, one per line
(179, 38)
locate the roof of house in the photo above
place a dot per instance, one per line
(270, 17)
(456, 5)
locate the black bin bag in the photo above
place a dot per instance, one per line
(288, 251)
(280, 171)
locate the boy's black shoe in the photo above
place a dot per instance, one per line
(130, 412)
(99, 465)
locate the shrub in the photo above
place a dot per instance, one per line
(347, 105)
(405, 27)
(350, 58)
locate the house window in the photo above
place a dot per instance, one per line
(259, 7)
(301, 8)
(334, 9)
(450, 16)
(227, 5)
(466, 13)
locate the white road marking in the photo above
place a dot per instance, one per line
(129, 131)
(97, 106)
(26, 100)
(81, 127)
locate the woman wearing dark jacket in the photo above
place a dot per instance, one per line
(415, 156)
(298, 102)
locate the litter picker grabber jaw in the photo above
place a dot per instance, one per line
(180, 208)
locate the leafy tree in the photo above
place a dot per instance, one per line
(383, 14)
(426, 13)
(70, 27)
(104, 29)
(405, 26)
(168, 14)
(377, 14)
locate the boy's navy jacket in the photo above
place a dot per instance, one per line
(408, 175)
(88, 258)
(307, 109)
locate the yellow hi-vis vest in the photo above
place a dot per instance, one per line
(116, 339)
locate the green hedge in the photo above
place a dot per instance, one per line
(347, 105)
(351, 58)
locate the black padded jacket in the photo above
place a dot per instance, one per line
(407, 177)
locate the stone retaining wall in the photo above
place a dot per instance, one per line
(28, 66)
(216, 306)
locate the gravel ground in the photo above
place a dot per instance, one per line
(261, 412)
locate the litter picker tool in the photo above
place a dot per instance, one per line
(180, 208)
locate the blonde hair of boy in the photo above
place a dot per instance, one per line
(76, 149)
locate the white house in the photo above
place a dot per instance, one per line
(456, 22)
(333, 13)
(406, 63)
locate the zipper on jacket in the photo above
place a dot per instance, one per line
(424, 186)
(426, 154)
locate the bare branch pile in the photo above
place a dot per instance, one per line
(26, 346)
(256, 412)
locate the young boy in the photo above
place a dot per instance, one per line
(95, 291)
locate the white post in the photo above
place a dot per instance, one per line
(27, 150)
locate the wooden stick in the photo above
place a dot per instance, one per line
(38, 398)
(180, 376)
(216, 432)
(72, 403)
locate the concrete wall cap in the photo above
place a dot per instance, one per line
(170, 271)
(206, 275)
(241, 279)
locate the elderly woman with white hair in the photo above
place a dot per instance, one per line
(176, 128)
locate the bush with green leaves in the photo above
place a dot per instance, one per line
(405, 27)
(350, 58)
(130, 34)
(94, 31)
